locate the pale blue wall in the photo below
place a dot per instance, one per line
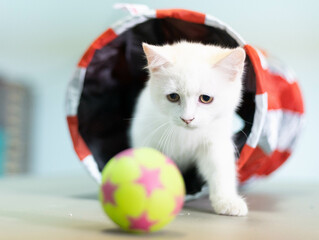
(41, 42)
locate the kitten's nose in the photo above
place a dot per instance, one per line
(187, 121)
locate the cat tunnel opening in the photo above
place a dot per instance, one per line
(102, 94)
(116, 75)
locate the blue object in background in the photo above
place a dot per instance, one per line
(2, 151)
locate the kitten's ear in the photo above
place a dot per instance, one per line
(155, 57)
(233, 63)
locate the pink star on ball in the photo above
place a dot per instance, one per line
(150, 180)
(179, 201)
(126, 153)
(108, 190)
(141, 223)
(170, 161)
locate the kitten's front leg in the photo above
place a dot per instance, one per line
(217, 165)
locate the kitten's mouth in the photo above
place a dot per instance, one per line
(188, 126)
(184, 125)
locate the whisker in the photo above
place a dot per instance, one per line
(244, 133)
(142, 117)
(171, 139)
(146, 142)
(165, 139)
(167, 142)
(161, 141)
(247, 122)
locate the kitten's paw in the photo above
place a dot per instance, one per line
(233, 206)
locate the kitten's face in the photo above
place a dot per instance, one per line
(192, 93)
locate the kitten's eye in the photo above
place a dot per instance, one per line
(205, 99)
(173, 97)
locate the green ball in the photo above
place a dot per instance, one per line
(142, 190)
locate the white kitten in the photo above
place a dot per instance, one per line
(186, 112)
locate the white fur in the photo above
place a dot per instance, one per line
(191, 70)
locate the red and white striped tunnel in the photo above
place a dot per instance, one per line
(109, 76)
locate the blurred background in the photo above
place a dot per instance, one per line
(41, 42)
